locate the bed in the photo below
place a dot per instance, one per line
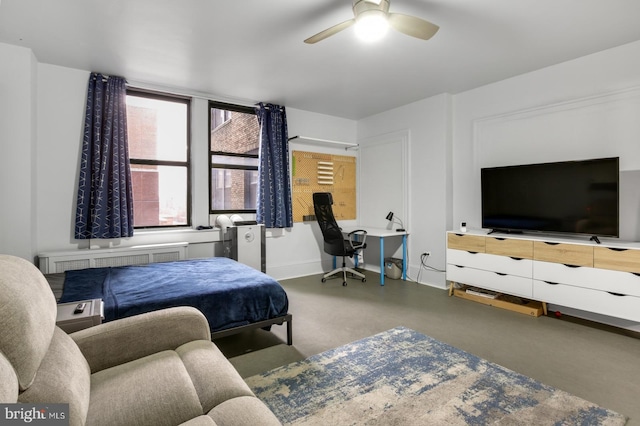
(232, 296)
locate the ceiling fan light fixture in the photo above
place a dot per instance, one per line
(371, 25)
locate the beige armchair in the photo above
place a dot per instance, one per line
(154, 369)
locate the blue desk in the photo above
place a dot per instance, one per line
(383, 233)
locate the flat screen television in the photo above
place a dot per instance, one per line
(577, 197)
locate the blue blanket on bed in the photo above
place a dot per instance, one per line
(230, 294)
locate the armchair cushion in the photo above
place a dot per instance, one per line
(172, 387)
(63, 377)
(244, 410)
(199, 421)
(28, 309)
(154, 390)
(213, 376)
(117, 342)
(9, 383)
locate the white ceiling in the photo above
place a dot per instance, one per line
(252, 50)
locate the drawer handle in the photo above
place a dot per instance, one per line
(499, 238)
(617, 249)
(460, 235)
(637, 274)
(616, 294)
(459, 266)
(551, 244)
(571, 266)
(472, 252)
(550, 282)
(501, 274)
(516, 258)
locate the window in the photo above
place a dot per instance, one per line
(234, 141)
(158, 130)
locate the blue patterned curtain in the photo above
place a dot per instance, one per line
(105, 197)
(273, 207)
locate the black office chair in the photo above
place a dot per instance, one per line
(334, 242)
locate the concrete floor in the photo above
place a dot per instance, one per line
(598, 363)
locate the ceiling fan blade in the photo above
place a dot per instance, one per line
(412, 26)
(330, 31)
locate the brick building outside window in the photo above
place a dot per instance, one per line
(234, 143)
(158, 132)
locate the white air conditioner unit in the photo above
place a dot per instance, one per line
(246, 244)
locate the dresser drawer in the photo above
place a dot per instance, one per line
(522, 249)
(509, 284)
(559, 273)
(627, 260)
(568, 254)
(491, 263)
(597, 279)
(601, 302)
(473, 243)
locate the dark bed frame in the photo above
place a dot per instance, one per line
(260, 324)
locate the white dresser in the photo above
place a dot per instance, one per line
(599, 278)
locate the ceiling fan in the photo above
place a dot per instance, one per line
(378, 10)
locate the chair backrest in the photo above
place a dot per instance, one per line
(39, 363)
(27, 317)
(331, 233)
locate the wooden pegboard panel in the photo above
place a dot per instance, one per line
(316, 172)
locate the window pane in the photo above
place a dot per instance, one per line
(233, 189)
(237, 161)
(159, 195)
(237, 135)
(157, 129)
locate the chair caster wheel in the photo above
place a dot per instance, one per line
(324, 280)
(344, 284)
(364, 280)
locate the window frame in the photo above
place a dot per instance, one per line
(212, 165)
(187, 164)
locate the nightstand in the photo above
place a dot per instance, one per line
(93, 314)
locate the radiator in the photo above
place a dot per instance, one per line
(55, 262)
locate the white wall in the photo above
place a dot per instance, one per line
(428, 125)
(585, 108)
(61, 107)
(18, 171)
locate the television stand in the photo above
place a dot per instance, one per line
(586, 276)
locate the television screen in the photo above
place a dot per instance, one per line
(579, 197)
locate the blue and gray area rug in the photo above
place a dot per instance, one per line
(402, 377)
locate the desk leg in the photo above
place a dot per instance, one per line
(381, 260)
(404, 257)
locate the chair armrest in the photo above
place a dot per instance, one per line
(116, 342)
(359, 233)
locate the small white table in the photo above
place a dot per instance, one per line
(93, 314)
(383, 233)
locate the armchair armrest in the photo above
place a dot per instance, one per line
(127, 339)
(358, 243)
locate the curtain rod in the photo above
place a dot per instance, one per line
(347, 145)
(189, 93)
